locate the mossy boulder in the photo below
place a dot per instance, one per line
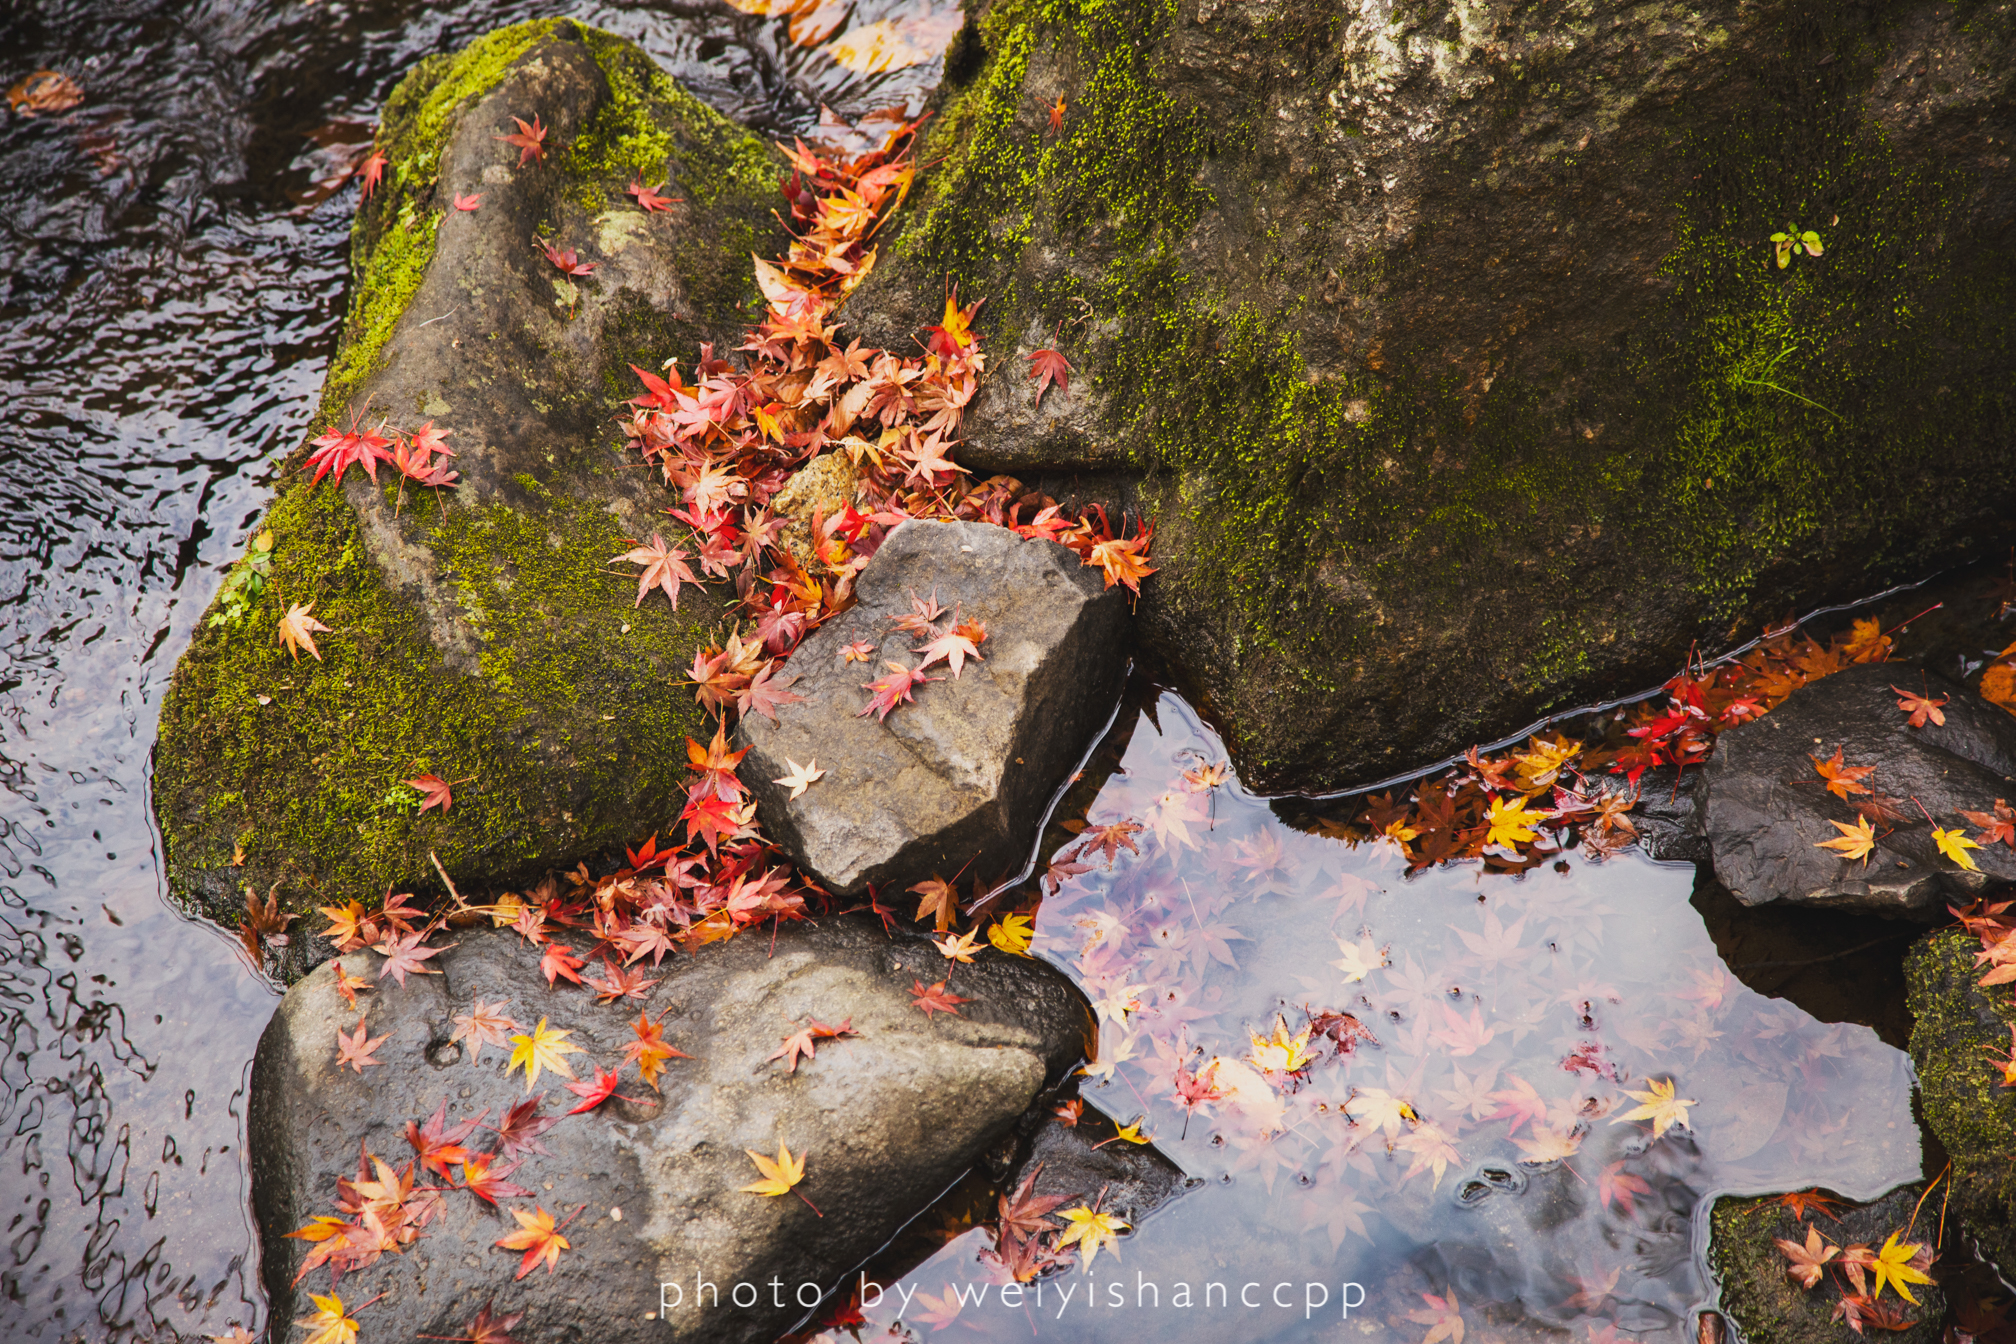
(1448, 346)
(1957, 1030)
(1770, 1308)
(481, 636)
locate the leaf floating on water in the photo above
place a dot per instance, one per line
(895, 44)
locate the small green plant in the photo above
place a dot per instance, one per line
(403, 799)
(1785, 244)
(246, 583)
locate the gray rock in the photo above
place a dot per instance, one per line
(1127, 1179)
(885, 1122)
(1765, 809)
(963, 774)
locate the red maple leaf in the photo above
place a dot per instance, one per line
(438, 1145)
(1057, 109)
(801, 1044)
(566, 259)
(559, 960)
(597, 1092)
(1921, 708)
(470, 202)
(485, 1181)
(336, 450)
(1999, 824)
(531, 140)
(1047, 367)
(434, 792)
(649, 198)
(893, 689)
(485, 1328)
(372, 170)
(522, 1127)
(710, 818)
(936, 999)
(403, 956)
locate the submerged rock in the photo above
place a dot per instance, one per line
(1447, 346)
(1958, 1030)
(482, 636)
(1765, 808)
(959, 778)
(884, 1120)
(1771, 1308)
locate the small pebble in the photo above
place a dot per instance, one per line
(617, 1214)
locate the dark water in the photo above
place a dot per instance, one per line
(171, 279)
(1521, 1020)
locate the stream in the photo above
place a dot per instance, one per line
(172, 275)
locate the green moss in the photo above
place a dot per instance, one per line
(392, 238)
(1956, 1030)
(1750, 429)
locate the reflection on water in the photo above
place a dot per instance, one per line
(171, 276)
(1476, 1139)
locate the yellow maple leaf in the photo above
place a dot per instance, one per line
(1090, 1230)
(329, 1324)
(1855, 841)
(542, 1049)
(1012, 934)
(1280, 1053)
(1954, 844)
(1659, 1105)
(1512, 825)
(297, 630)
(1893, 1265)
(779, 1173)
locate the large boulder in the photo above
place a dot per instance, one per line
(1766, 810)
(961, 776)
(884, 1120)
(1448, 346)
(481, 637)
(1958, 1030)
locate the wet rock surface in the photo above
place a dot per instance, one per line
(483, 636)
(884, 1121)
(1771, 1308)
(958, 779)
(1765, 809)
(1958, 1031)
(1417, 484)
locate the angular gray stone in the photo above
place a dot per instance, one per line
(885, 1123)
(1765, 809)
(960, 777)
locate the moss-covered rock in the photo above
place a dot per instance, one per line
(1770, 1308)
(1447, 342)
(1957, 1030)
(482, 636)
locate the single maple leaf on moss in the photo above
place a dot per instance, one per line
(664, 566)
(648, 197)
(1808, 1261)
(544, 1048)
(1854, 842)
(539, 1238)
(434, 792)
(1659, 1105)
(298, 630)
(1843, 781)
(1802, 1202)
(529, 139)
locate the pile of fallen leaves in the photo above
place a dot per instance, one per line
(1861, 1272)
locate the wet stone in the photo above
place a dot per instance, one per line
(884, 1121)
(959, 778)
(1766, 809)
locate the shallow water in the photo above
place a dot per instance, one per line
(171, 277)
(1516, 1017)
